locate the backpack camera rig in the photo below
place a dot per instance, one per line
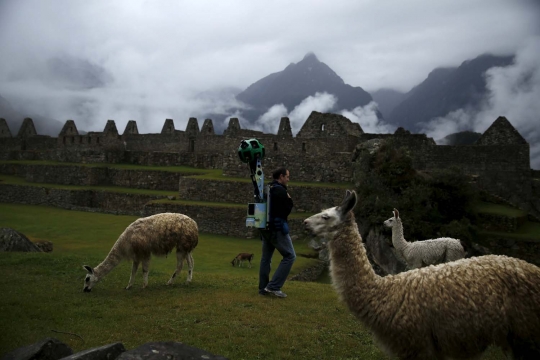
(251, 151)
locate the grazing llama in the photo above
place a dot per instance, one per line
(240, 258)
(426, 252)
(452, 310)
(153, 235)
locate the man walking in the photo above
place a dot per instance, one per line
(277, 237)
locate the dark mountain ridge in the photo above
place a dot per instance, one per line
(446, 90)
(297, 82)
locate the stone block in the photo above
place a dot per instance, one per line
(47, 349)
(11, 240)
(169, 350)
(106, 352)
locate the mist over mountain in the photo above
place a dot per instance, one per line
(446, 90)
(14, 119)
(75, 73)
(296, 83)
(59, 84)
(387, 100)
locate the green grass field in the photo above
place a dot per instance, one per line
(220, 311)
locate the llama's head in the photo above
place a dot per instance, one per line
(394, 220)
(90, 280)
(326, 223)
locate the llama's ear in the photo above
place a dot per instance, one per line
(348, 203)
(396, 214)
(89, 269)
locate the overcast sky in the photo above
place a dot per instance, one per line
(147, 60)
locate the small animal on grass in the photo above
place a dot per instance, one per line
(454, 310)
(426, 252)
(240, 258)
(153, 235)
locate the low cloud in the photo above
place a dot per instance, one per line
(321, 102)
(367, 117)
(513, 92)
(269, 121)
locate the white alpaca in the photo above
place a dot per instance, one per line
(452, 310)
(426, 252)
(153, 235)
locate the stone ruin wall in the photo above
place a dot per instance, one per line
(321, 151)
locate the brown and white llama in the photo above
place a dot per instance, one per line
(240, 258)
(452, 310)
(153, 235)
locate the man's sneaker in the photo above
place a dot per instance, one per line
(263, 293)
(277, 293)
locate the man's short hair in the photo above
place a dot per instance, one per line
(278, 172)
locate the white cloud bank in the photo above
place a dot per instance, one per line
(366, 115)
(513, 92)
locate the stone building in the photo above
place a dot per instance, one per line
(322, 151)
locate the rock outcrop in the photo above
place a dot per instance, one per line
(11, 240)
(53, 349)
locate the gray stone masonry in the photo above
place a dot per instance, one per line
(95, 176)
(306, 198)
(46, 349)
(82, 200)
(322, 151)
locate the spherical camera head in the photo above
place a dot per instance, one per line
(250, 150)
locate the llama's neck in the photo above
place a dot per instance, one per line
(110, 262)
(352, 274)
(398, 240)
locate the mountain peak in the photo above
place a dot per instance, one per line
(310, 56)
(297, 82)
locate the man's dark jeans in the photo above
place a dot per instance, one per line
(272, 240)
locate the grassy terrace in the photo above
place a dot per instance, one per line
(220, 311)
(528, 231)
(207, 174)
(495, 209)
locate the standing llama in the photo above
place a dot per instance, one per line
(452, 310)
(426, 252)
(153, 235)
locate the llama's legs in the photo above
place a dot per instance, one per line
(179, 264)
(191, 265)
(134, 267)
(145, 268)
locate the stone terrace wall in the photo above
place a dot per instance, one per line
(83, 200)
(62, 155)
(306, 198)
(216, 220)
(335, 168)
(503, 169)
(160, 158)
(95, 176)
(223, 220)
